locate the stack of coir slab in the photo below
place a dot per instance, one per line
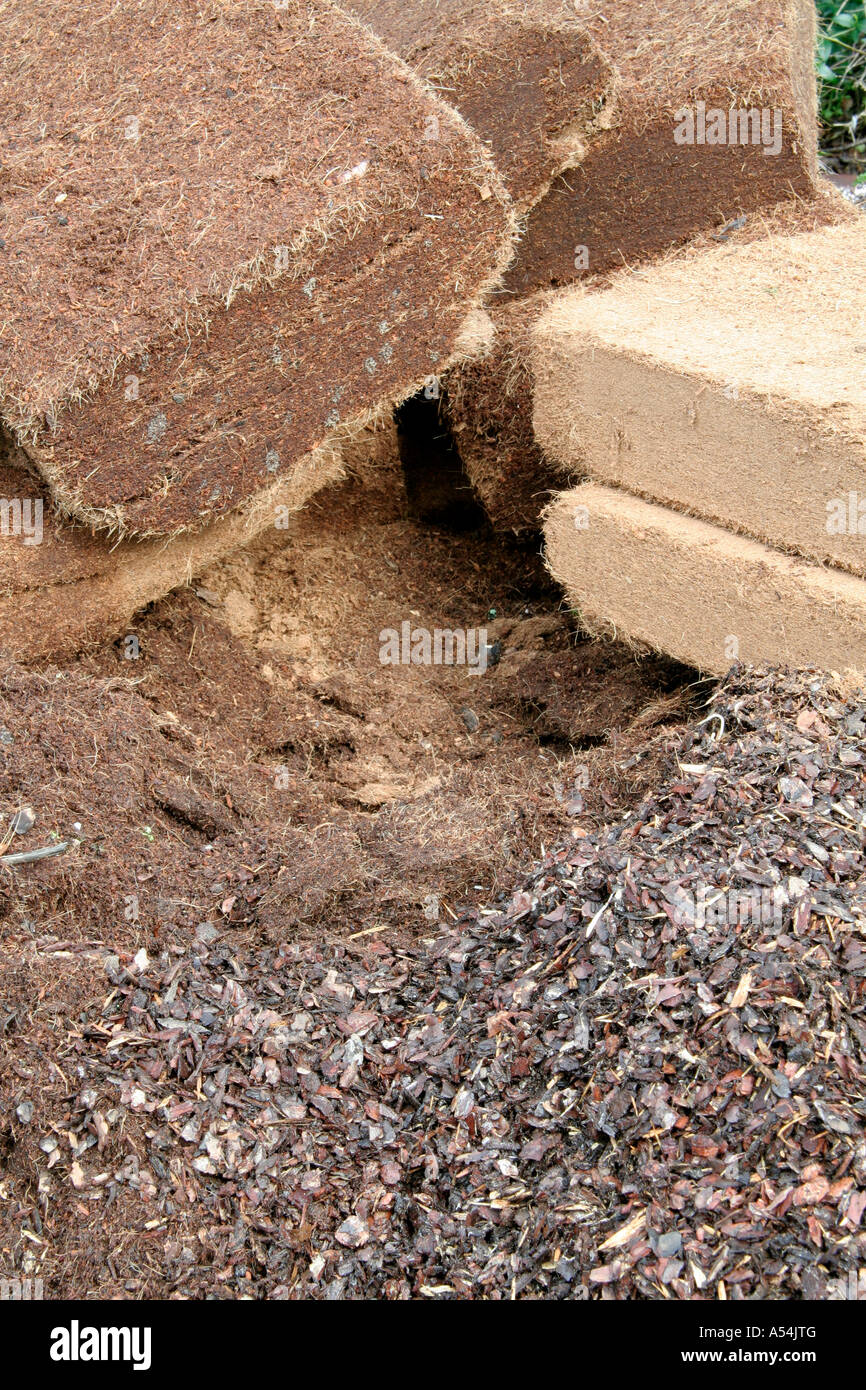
(707, 129)
(234, 234)
(717, 404)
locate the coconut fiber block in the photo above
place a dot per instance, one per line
(697, 592)
(713, 118)
(224, 233)
(527, 75)
(487, 401)
(730, 384)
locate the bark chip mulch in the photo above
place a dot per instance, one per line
(641, 1075)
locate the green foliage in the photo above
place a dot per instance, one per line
(842, 77)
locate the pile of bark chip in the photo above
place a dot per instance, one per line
(640, 1075)
(233, 237)
(747, 408)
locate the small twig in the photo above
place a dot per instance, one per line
(665, 844)
(601, 911)
(369, 931)
(30, 856)
(708, 720)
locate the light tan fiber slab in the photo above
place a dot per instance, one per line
(697, 592)
(730, 384)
